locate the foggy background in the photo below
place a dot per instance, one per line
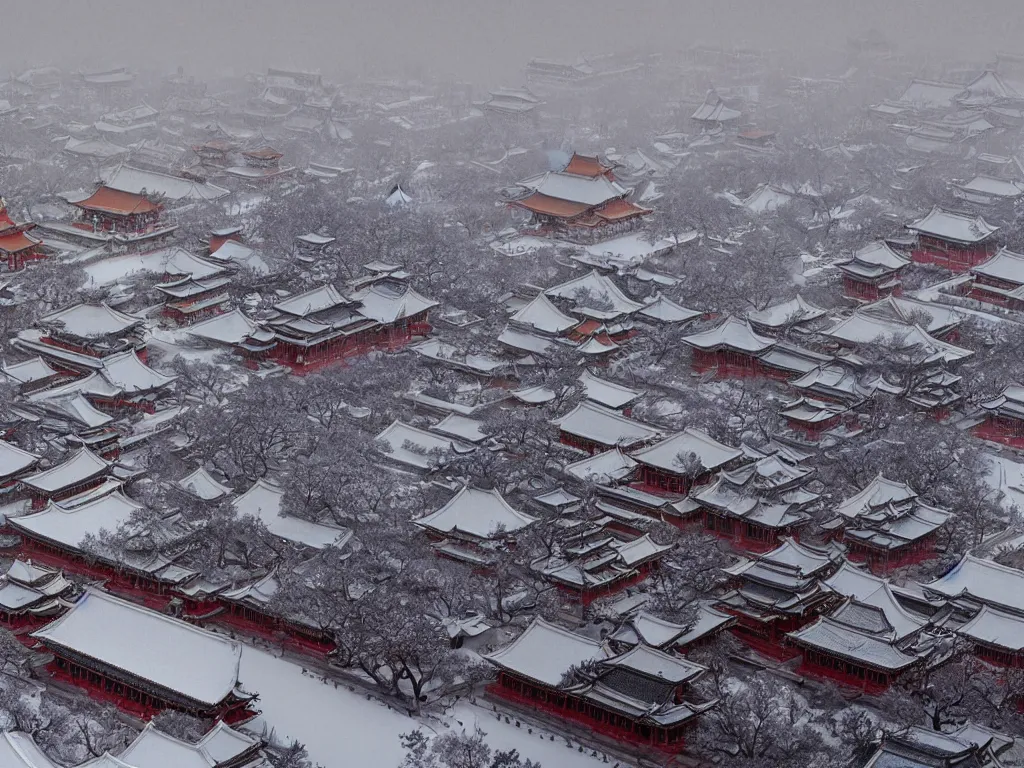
(477, 39)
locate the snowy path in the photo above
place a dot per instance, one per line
(341, 728)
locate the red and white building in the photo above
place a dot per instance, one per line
(873, 272)
(17, 246)
(1000, 280)
(954, 241)
(582, 202)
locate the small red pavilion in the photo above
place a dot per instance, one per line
(955, 241)
(16, 245)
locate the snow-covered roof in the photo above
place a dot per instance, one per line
(713, 109)
(310, 302)
(878, 493)
(586, 190)
(931, 94)
(983, 581)
(544, 652)
(956, 227)
(605, 426)
(711, 453)
(607, 466)
(607, 393)
(128, 373)
(527, 342)
(412, 446)
(851, 581)
(865, 328)
(153, 748)
(653, 662)
(203, 485)
(941, 318)
(19, 750)
(70, 526)
(386, 303)
(766, 198)
(80, 466)
(1005, 265)
(138, 181)
(991, 626)
(880, 254)
(461, 427)
(838, 639)
(229, 328)
(172, 654)
(993, 187)
(264, 502)
(476, 513)
(544, 316)
(731, 333)
(14, 460)
(639, 550)
(598, 286)
(664, 310)
(90, 321)
(28, 371)
(793, 311)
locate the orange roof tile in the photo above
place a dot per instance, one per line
(115, 201)
(552, 206)
(615, 210)
(583, 165)
(16, 242)
(5, 220)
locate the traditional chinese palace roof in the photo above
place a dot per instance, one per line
(189, 663)
(954, 227)
(116, 202)
(477, 514)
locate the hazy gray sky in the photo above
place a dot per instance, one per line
(481, 39)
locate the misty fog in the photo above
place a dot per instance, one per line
(470, 39)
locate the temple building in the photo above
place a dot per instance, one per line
(713, 114)
(593, 559)
(663, 468)
(14, 464)
(32, 594)
(778, 592)
(757, 505)
(80, 471)
(887, 526)
(873, 272)
(1000, 280)
(130, 217)
(220, 747)
(988, 603)
(797, 314)
(638, 697)
(581, 203)
(145, 662)
(473, 525)
(78, 338)
(323, 325)
(594, 428)
(647, 629)
(1003, 419)
(733, 349)
(514, 105)
(56, 535)
(866, 642)
(17, 246)
(261, 166)
(969, 746)
(955, 241)
(188, 300)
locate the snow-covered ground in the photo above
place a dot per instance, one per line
(341, 728)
